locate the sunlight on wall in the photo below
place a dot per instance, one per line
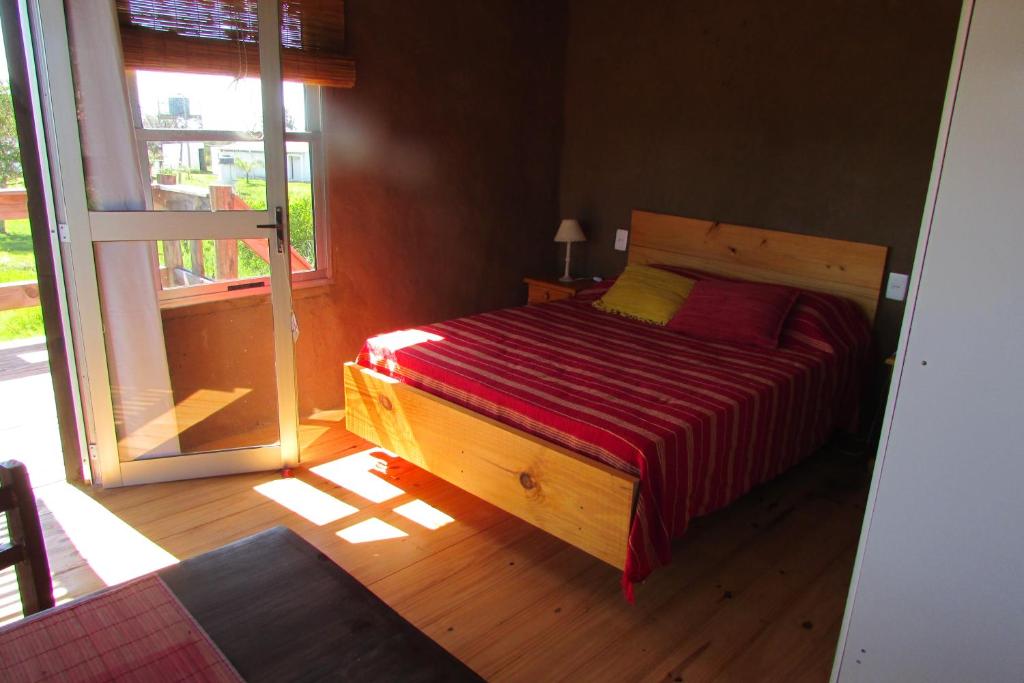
(114, 550)
(372, 529)
(306, 501)
(424, 514)
(356, 473)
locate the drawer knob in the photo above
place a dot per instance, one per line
(385, 402)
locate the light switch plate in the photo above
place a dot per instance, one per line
(896, 288)
(621, 240)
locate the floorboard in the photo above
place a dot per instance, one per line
(755, 592)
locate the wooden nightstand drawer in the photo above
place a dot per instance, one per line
(540, 290)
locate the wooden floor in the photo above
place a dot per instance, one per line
(755, 593)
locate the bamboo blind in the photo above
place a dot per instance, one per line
(220, 37)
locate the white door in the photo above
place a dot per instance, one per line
(937, 592)
(176, 386)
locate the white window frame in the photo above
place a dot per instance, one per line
(253, 286)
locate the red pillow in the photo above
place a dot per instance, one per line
(747, 313)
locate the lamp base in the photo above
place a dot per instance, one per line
(565, 276)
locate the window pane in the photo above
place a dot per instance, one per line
(205, 386)
(298, 169)
(208, 102)
(195, 174)
(207, 176)
(192, 263)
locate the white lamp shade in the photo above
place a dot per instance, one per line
(569, 230)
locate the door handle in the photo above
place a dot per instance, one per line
(278, 226)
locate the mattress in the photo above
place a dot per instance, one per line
(698, 423)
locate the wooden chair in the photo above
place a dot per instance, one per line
(26, 550)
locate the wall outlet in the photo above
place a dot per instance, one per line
(621, 240)
(896, 288)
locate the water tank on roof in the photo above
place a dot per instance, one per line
(178, 106)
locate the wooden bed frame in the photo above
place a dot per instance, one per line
(581, 501)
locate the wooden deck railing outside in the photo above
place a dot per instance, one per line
(25, 294)
(220, 198)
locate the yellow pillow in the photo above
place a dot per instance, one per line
(648, 294)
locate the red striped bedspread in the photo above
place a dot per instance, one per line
(699, 423)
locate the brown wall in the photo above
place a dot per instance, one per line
(813, 116)
(443, 181)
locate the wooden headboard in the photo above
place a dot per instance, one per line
(850, 269)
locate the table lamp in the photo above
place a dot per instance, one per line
(569, 231)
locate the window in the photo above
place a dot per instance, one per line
(193, 69)
(199, 143)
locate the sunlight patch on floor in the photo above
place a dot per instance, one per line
(159, 419)
(425, 515)
(372, 529)
(356, 473)
(309, 434)
(10, 597)
(113, 549)
(28, 427)
(329, 415)
(34, 356)
(361, 473)
(306, 501)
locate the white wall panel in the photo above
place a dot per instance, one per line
(939, 587)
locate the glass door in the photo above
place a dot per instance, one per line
(173, 183)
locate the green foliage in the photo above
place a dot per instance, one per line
(247, 166)
(300, 221)
(250, 264)
(21, 323)
(17, 262)
(253, 192)
(15, 273)
(10, 155)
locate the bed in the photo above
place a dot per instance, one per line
(612, 434)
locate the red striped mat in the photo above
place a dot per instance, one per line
(137, 631)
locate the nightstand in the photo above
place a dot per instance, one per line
(541, 290)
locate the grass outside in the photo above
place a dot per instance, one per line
(16, 260)
(21, 323)
(17, 263)
(254, 192)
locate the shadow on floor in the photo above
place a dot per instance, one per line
(24, 358)
(67, 566)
